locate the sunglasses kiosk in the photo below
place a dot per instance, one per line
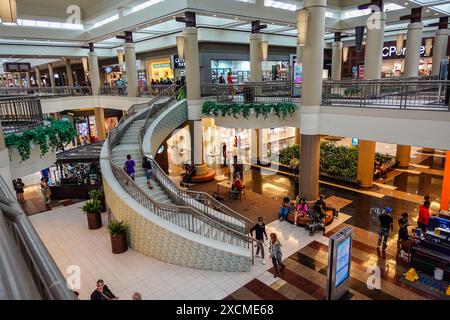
(339, 263)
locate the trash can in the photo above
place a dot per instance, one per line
(438, 274)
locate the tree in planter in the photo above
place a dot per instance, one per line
(118, 233)
(92, 209)
(100, 196)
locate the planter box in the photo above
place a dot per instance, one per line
(94, 221)
(119, 244)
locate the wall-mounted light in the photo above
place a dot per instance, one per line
(345, 54)
(8, 11)
(180, 47)
(302, 22)
(264, 50)
(428, 46)
(400, 41)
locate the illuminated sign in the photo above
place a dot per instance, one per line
(178, 63)
(17, 67)
(343, 261)
(391, 51)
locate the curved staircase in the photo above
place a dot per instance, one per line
(197, 230)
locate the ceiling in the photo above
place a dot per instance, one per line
(156, 18)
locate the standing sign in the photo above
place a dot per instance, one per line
(339, 263)
(177, 63)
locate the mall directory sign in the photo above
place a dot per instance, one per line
(339, 263)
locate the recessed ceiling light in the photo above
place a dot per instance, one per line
(406, 3)
(235, 18)
(160, 21)
(436, 14)
(288, 25)
(428, 10)
(214, 15)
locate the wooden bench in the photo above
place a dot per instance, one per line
(208, 176)
(304, 220)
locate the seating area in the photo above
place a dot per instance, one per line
(306, 219)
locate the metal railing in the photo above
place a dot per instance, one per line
(18, 114)
(410, 94)
(266, 92)
(46, 91)
(187, 217)
(27, 271)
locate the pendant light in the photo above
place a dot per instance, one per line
(345, 54)
(400, 41)
(302, 23)
(8, 11)
(428, 46)
(180, 47)
(264, 50)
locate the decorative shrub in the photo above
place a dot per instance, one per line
(51, 137)
(340, 161)
(181, 94)
(236, 110)
(97, 194)
(352, 91)
(91, 206)
(116, 228)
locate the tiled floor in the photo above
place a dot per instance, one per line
(64, 231)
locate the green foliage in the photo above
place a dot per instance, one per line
(339, 161)
(97, 194)
(236, 110)
(92, 206)
(182, 94)
(116, 228)
(51, 137)
(352, 91)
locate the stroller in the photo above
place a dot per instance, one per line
(315, 224)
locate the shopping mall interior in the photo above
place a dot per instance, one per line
(224, 150)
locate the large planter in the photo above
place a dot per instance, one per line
(119, 243)
(94, 221)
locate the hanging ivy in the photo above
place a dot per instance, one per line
(281, 109)
(51, 137)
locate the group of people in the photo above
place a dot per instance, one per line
(386, 223)
(102, 293)
(237, 186)
(189, 172)
(129, 168)
(301, 208)
(274, 246)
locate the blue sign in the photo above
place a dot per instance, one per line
(343, 261)
(354, 141)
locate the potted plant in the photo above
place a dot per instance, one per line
(100, 196)
(92, 209)
(118, 233)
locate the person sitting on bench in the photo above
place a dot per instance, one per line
(325, 206)
(284, 209)
(190, 171)
(236, 188)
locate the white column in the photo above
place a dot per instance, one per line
(313, 53)
(130, 60)
(413, 43)
(374, 49)
(51, 76)
(312, 96)
(94, 73)
(336, 60)
(69, 72)
(38, 76)
(192, 63)
(5, 171)
(28, 78)
(255, 57)
(439, 49)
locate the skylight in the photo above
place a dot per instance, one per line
(280, 5)
(143, 6)
(105, 21)
(45, 24)
(359, 13)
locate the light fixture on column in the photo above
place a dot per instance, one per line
(302, 22)
(85, 64)
(400, 41)
(345, 54)
(120, 58)
(8, 11)
(264, 50)
(180, 47)
(428, 46)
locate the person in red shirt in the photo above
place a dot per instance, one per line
(424, 214)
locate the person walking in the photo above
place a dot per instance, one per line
(224, 154)
(129, 166)
(136, 296)
(276, 254)
(18, 187)
(424, 215)
(260, 232)
(235, 153)
(386, 226)
(45, 190)
(403, 227)
(102, 292)
(147, 165)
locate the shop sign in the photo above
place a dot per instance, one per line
(391, 51)
(178, 63)
(160, 65)
(16, 67)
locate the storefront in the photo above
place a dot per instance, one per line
(111, 74)
(159, 69)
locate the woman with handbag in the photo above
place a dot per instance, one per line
(276, 254)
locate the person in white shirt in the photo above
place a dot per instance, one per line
(235, 154)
